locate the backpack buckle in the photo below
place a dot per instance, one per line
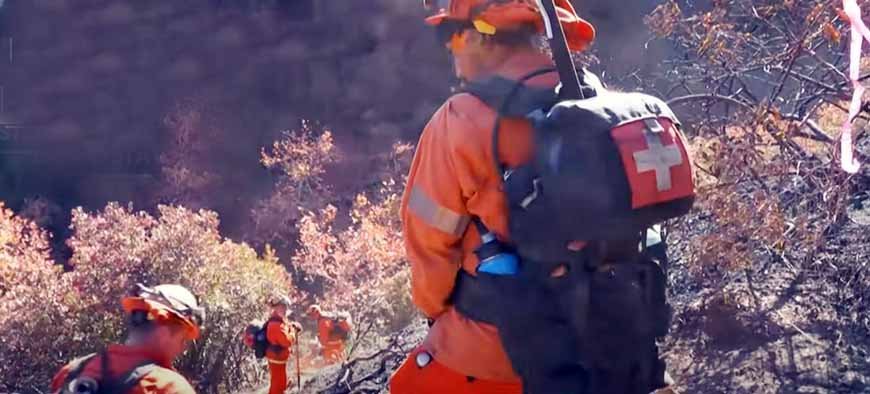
(423, 359)
(653, 125)
(83, 385)
(507, 174)
(528, 200)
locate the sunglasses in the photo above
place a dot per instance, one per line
(446, 30)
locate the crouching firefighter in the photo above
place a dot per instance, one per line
(162, 321)
(526, 211)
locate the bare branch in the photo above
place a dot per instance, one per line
(708, 97)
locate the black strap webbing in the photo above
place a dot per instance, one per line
(265, 329)
(126, 381)
(78, 365)
(505, 104)
(106, 383)
(473, 300)
(105, 376)
(132, 378)
(511, 98)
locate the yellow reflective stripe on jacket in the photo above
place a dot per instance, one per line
(441, 218)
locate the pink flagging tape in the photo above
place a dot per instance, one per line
(860, 32)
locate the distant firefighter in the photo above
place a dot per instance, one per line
(274, 340)
(333, 331)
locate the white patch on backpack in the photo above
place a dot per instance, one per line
(658, 157)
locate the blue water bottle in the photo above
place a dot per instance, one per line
(494, 256)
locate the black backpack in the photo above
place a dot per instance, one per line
(338, 332)
(261, 341)
(607, 166)
(75, 383)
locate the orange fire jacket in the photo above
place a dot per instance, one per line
(280, 336)
(452, 178)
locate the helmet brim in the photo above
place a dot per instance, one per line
(579, 32)
(437, 19)
(131, 304)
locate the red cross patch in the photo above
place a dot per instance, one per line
(656, 161)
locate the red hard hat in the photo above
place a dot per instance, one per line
(508, 14)
(165, 303)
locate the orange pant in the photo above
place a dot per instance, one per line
(435, 378)
(277, 377)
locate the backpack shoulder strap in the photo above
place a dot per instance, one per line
(654, 245)
(105, 383)
(124, 382)
(499, 94)
(77, 366)
(132, 377)
(265, 327)
(512, 97)
(336, 323)
(271, 319)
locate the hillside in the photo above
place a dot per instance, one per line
(253, 148)
(783, 331)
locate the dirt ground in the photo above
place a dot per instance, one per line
(780, 330)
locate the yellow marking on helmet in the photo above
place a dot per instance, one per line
(484, 28)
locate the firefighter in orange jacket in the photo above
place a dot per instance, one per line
(453, 177)
(332, 332)
(163, 320)
(281, 335)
